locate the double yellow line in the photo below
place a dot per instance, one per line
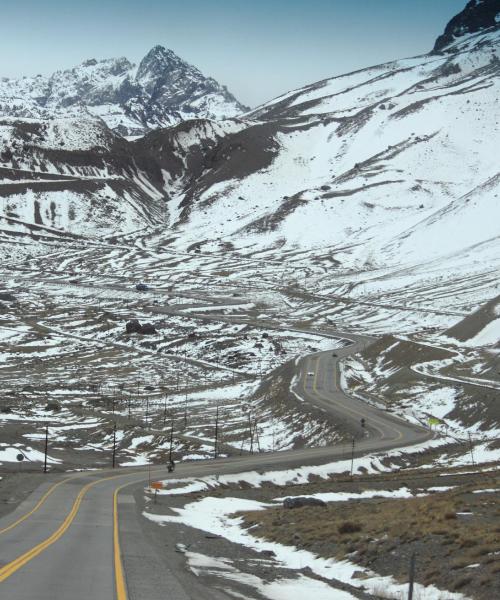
(120, 585)
(10, 568)
(36, 507)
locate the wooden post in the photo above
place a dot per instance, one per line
(471, 450)
(216, 432)
(171, 441)
(250, 429)
(46, 448)
(114, 445)
(412, 576)
(352, 456)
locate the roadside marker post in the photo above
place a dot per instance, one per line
(156, 485)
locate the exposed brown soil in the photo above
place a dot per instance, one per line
(474, 323)
(455, 534)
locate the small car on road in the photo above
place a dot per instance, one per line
(141, 287)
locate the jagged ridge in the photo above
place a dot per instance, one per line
(162, 91)
(478, 15)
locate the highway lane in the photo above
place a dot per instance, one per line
(75, 545)
(319, 384)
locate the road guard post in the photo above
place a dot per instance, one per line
(156, 485)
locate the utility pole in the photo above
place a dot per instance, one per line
(471, 449)
(256, 433)
(114, 445)
(412, 576)
(186, 408)
(251, 432)
(352, 456)
(216, 432)
(164, 411)
(171, 441)
(147, 410)
(46, 448)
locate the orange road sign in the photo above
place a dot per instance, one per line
(157, 485)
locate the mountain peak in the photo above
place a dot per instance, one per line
(162, 91)
(158, 60)
(478, 15)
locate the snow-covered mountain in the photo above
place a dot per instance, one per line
(365, 156)
(159, 92)
(389, 173)
(478, 15)
(386, 178)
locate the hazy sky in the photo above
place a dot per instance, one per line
(258, 48)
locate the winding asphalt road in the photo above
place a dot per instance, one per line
(82, 536)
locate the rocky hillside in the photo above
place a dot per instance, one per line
(388, 175)
(159, 92)
(478, 15)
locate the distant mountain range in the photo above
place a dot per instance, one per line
(161, 91)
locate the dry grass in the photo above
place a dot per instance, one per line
(380, 534)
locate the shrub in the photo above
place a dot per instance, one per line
(349, 527)
(463, 581)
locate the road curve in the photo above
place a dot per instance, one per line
(84, 538)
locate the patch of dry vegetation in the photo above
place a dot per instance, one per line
(456, 535)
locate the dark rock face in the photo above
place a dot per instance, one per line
(478, 15)
(301, 502)
(134, 326)
(6, 297)
(147, 329)
(53, 406)
(170, 85)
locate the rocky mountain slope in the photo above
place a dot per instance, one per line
(389, 168)
(364, 203)
(386, 178)
(161, 91)
(478, 15)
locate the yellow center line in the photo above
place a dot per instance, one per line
(10, 568)
(36, 507)
(120, 585)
